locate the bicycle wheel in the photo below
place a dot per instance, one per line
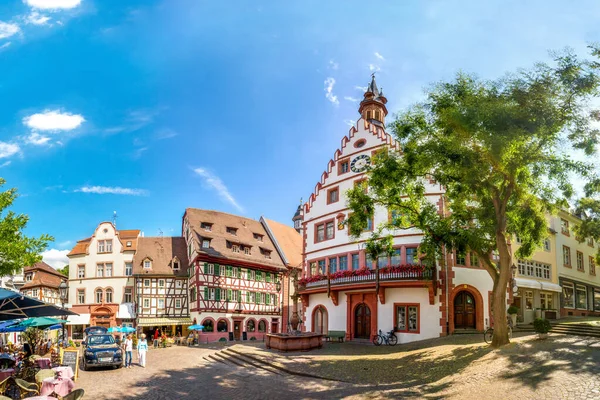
(392, 340)
(488, 335)
(377, 340)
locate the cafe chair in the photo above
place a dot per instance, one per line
(43, 374)
(26, 388)
(4, 398)
(74, 395)
(4, 385)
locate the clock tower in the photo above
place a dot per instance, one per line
(372, 107)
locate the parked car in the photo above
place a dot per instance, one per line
(95, 330)
(101, 351)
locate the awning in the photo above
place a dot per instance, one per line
(81, 319)
(164, 321)
(126, 311)
(534, 284)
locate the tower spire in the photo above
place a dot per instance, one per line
(372, 107)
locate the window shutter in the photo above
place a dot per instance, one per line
(268, 277)
(228, 270)
(205, 292)
(239, 296)
(247, 297)
(218, 294)
(206, 268)
(217, 269)
(239, 272)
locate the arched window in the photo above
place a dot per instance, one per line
(98, 295)
(222, 325)
(320, 324)
(109, 295)
(251, 326)
(262, 326)
(208, 325)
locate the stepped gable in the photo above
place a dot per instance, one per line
(218, 236)
(375, 130)
(163, 252)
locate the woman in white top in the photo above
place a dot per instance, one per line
(128, 344)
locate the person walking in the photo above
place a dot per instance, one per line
(142, 348)
(128, 345)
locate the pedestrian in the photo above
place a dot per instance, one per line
(156, 333)
(142, 348)
(128, 345)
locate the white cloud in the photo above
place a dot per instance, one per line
(37, 139)
(53, 120)
(8, 29)
(217, 184)
(329, 82)
(8, 149)
(374, 67)
(361, 88)
(138, 152)
(165, 134)
(55, 258)
(36, 18)
(379, 56)
(5, 45)
(53, 4)
(350, 122)
(112, 190)
(5, 164)
(350, 98)
(333, 65)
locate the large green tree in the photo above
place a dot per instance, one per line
(16, 249)
(502, 149)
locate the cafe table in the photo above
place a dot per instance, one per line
(44, 363)
(5, 373)
(60, 386)
(64, 372)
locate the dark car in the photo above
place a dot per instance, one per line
(101, 351)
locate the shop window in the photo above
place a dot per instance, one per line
(568, 295)
(262, 326)
(407, 318)
(222, 326)
(581, 297)
(529, 300)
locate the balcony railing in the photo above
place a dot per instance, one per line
(370, 276)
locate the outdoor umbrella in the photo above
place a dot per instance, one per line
(114, 329)
(38, 322)
(6, 324)
(54, 327)
(16, 305)
(195, 327)
(127, 329)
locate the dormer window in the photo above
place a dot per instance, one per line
(147, 264)
(206, 226)
(232, 231)
(176, 265)
(235, 248)
(128, 244)
(266, 253)
(205, 243)
(28, 277)
(246, 249)
(258, 237)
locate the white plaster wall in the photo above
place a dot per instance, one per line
(429, 314)
(481, 280)
(336, 314)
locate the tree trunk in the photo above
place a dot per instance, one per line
(499, 293)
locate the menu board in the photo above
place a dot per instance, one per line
(70, 357)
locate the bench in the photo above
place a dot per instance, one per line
(339, 335)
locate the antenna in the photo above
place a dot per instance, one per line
(115, 218)
(160, 232)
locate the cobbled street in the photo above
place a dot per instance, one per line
(562, 367)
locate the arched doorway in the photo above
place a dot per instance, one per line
(464, 311)
(362, 322)
(320, 324)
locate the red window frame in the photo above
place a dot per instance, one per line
(329, 191)
(343, 161)
(324, 224)
(407, 305)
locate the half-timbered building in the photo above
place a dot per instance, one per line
(41, 282)
(160, 270)
(235, 274)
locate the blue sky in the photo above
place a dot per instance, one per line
(149, 107)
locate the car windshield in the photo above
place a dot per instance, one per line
(101, 339)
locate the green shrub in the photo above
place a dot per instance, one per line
(541, 325)
(134, 340)
(512, 310)
(253, 338)
(222, 339)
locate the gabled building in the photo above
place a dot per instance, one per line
(41, 282)
(101, 281)
(235, 274)
(160, 270)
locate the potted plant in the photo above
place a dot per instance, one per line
(542, 327)
(513, 311)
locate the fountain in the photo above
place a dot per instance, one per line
(295, 340)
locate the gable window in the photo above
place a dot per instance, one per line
(98, 296)
(235, 248)
(128, 297)
(567, 256)
(258, 237)
(206, 226)
(176, 265)
(580, 265)
(108, 269)
(564, 227)
(147, 264)
(81, 271)
(28, 277)
(101, 246)
(231, 231)
(128, 269)
(109, 246)
(265, 252)
(324, 231)
(128, 243)
(80, 296)
(343, 166)
(109, 295)
(406, 318)
(333, 195)
(205, 243)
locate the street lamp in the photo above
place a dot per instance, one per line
(278, 286)
(64, 293)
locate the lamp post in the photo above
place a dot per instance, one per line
(64, 293)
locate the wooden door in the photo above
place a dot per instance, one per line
(464, 311)
(274, 327)
(237, 328)
(362, 322)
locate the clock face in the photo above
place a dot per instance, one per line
(360, 163)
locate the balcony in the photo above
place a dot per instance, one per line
(389, 277)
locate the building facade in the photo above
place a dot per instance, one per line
(101, 284)
(160, 270)
(41, 282)
(235, 272)
(577, 271)
(338, 288)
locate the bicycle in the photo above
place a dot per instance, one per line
(390, 339)
(489, 332)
